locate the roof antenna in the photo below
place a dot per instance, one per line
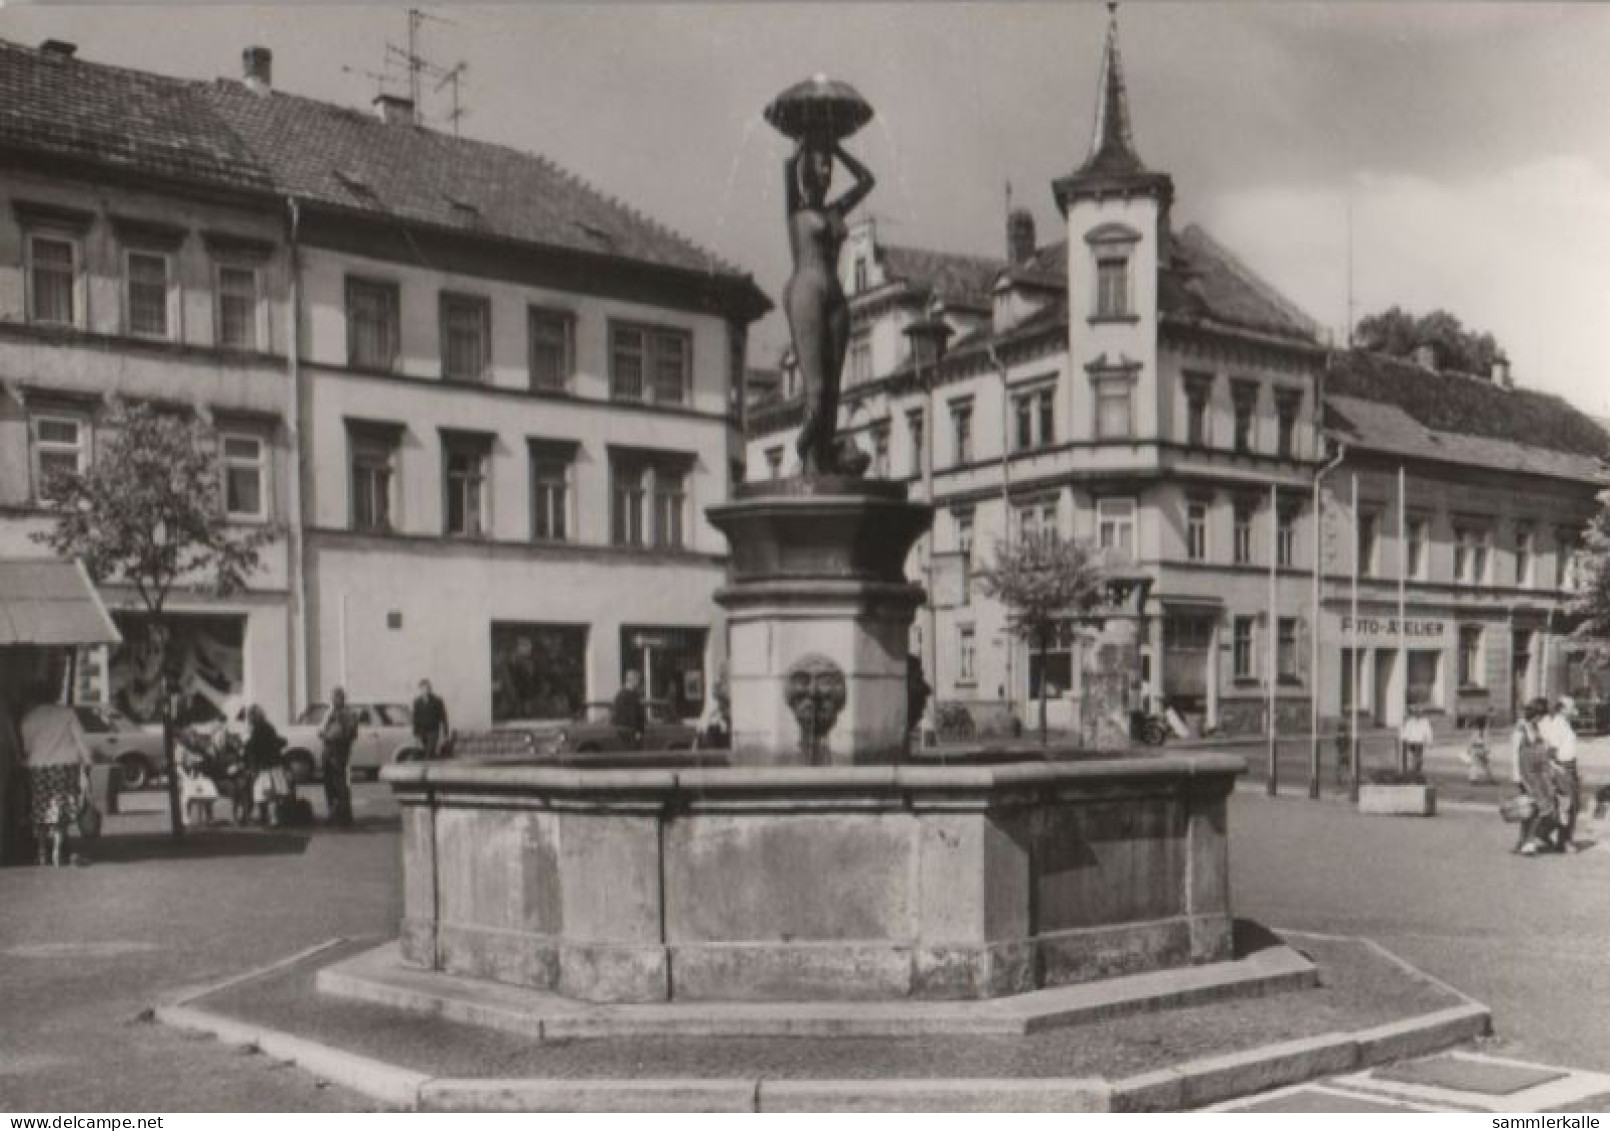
(1350, 307)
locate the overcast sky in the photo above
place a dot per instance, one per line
(1471, 139)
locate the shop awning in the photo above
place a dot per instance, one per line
(48, 602)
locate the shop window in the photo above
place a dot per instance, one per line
(1471, 671)
(671, 663)
(1054, 670)
(1424, 669)
(539, 671)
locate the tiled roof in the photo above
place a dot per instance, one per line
(1383, 404)
(222, 134)
(1204, 280)
(127, 119)
(50, 602)
(954, 278)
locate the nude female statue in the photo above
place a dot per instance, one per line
(818, 313)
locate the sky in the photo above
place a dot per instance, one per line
(1466, 141)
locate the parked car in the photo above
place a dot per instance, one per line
(117, 740)
(385, 735)
(592, 732)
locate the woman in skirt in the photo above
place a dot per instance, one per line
(1530, 751)
(56, 758)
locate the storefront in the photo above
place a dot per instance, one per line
(1383, 665)
(671, 660)
(539, 671)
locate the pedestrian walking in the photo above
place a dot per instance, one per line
(1477, 757)
(338, 733)
(1529, 750)
(628, 711)
(1415, 737)
(1560, 731)
(56, 763)
(430, 722)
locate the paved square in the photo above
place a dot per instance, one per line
(1481, 1077)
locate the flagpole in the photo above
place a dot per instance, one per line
(1273, 664)
(1357, 660)
(1403, 611)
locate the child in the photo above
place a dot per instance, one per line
(197, 791)
(1479, 768)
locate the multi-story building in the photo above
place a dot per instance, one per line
(491, 403)
(1139, 386)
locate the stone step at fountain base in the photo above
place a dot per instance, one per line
(380, 976)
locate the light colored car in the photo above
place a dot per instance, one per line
(115, 739)
(592, 732)
(385, 735)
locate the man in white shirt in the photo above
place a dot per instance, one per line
(1560, 734)
(1415, 736)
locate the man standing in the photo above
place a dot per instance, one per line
(1415, 737)
(430, 721)
(1560, 734)
(338, 733)
(629, 712)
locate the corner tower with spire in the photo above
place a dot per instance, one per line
(1116, 211)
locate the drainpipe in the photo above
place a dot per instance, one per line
(1313, 628)
(1006, 514)
(295, 537)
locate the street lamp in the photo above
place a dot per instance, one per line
(929, 335)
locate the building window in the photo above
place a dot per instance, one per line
(1196, 531)
(1470, 555)
(1115, 526)
(374, 458)
(1565, 548)
(1367, 524)
(1036, 418)
(61, 449)
(1419, 547)
(244, 477)
(1245, 396)
(1287, 404)
(1470, 656)
(1198, 390)
(553, 348)
(961, 427)
(1286, 538)
(464, 459)
(550, 491)
(648, 501)
(146, 293)
(1286, 651)
(1241, 647)
(774, 462)
(880, 449)
(53, 280)
(1038, 520)
(1112, 286)
(466, 337)
(1114, 416)
(1242, 533)
(966, 655)
(964, 535)
(650, 363)
(1524, 556)
(373, 324)
(238, 306)
(859, 275)
(919, 451)
(860, 360)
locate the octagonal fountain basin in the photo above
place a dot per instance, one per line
(680, 882)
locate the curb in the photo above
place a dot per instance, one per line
(1190, 1085)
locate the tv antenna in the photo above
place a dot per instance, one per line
(379, 78)
(421, 67)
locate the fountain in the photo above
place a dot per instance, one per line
(824, 861)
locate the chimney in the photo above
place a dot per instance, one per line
(1020, 236)
(1426, 358)
(1500, 372)
(395, 109)
(257, 69)
(58, 49)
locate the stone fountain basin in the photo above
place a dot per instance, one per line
(697, 883)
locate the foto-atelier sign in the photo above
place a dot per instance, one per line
(1388, 626)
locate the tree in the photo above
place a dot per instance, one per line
(1042, 581)
(1398, 333)
(1591, 598)
(149, 513)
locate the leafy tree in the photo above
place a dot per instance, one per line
(1042, 581)
(1398, 333)
(149, 513)
(1591, 599)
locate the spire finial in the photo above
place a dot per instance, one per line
(1111, 137)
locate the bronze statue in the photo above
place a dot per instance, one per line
(819, 114)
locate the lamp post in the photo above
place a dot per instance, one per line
(929, 335)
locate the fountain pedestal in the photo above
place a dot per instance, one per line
(819, 614)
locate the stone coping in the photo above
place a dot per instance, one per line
(416, 777)
(820, 487)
